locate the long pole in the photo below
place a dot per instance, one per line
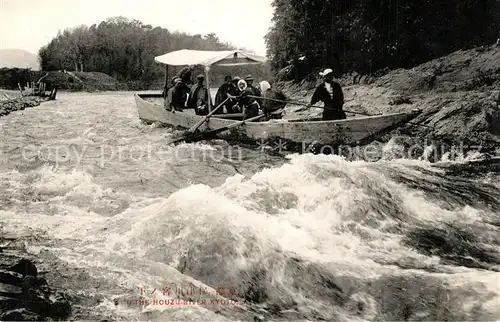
(306, 104)
(166, 75)
(352, 112)
(208, 89)
(197, 125)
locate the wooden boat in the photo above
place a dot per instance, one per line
(296, 133)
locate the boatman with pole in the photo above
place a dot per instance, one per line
(330, 93)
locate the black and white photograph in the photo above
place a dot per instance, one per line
(265, 160)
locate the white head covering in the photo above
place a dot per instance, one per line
(242, 81)
(326, 72)
(264, 86)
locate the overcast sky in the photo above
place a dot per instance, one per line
(30, 24)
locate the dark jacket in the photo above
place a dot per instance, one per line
(193, 96)
(321, 94)
(256, 92)
(179, 95)
(221, 96)
(271, 106)
(234, 103)
(246, 100)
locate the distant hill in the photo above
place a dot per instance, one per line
(18, 58)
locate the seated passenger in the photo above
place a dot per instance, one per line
(233, 93)
(167, 95)
(199, 97)
(272, 106)
(227, 88)
(179, 95)
(255, 90)
(250, 105)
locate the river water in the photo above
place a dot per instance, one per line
(125, 224)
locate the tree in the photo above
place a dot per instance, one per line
(123, 48)
(374, 34)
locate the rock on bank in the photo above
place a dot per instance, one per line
(24, 295)
(20, 103)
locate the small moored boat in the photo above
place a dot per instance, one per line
(294, 132)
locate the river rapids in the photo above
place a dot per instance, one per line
(136, 230)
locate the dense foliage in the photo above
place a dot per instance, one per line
(125, 49)
(11, 77)
(369, 35)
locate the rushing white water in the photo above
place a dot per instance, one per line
(113, 213)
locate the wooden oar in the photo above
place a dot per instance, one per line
(197, 125)
(193, 128)
(194, 137)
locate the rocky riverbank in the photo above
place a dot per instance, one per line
(459, 95)
(17, 104)
(71, 81)
(24, 294)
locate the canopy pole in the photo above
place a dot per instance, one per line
(208, 89)
(166, 75)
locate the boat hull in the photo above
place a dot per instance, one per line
(353, 131)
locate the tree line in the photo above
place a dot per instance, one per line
(370, 35)
(125, 49)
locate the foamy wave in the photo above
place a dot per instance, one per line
(319, 231)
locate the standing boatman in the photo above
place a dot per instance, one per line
(330, 93)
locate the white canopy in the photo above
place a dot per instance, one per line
(208, 58)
